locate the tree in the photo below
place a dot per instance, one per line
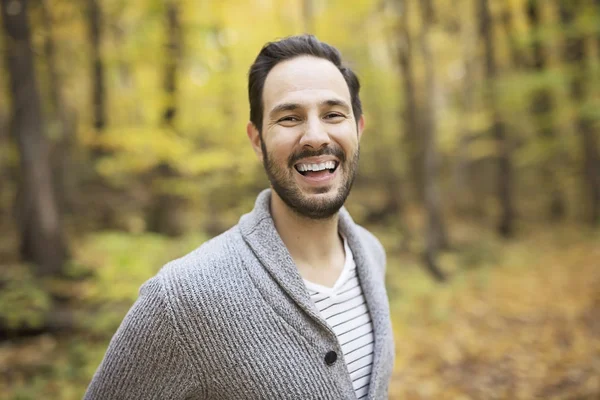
(597, 5)
(435, 236)
(172, 58)
(412, 139)
(542, 107)
(61, 121)
(42, 241)
(162, 217)
(463, 191)
(574, 55)
(505, 174)
(517, 57)
(98, 80)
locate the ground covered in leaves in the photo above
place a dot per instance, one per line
(525, 324)
(517, 320)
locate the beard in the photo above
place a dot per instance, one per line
(283, 182)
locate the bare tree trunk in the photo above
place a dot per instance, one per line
(42, 240)
(412, 140)
(165, 210)
(542, 108)
(124, 69)
(435, 236)
(597, 2)
(505, 174)
(61, 148)
(98, 80)
(7, 171)
(463, 192)
(517, 57)
(50, 54)
(597, 12)
(172, 61)
(575, 58)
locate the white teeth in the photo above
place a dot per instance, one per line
(316, 167)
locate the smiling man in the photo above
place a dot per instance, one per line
(290, 303)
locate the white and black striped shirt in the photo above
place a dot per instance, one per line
(344, 308)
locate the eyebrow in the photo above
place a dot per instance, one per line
(284, 107)
(335, 102)
(294, 106)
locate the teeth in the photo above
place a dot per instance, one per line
(316, 167)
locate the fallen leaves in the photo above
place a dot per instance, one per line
(527, 327)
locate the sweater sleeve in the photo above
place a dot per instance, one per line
(145, 358)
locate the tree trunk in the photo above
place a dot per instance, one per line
(542, 107)
(98, 81)
(435, 236)
(516, 55)
(50, 54)
(173, 56)
(505, 175)
(42, 241)
(64, 128)
(166, 207)
(412, 139)
(463, 191)
(597, 2)
(575, 58)
(126, 82)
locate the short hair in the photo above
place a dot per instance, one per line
(290, 47)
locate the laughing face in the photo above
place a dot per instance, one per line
(309, 144)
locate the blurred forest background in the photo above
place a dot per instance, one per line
(123, 145)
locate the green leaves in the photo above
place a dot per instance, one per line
(23, 300)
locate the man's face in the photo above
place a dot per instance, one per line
(310, 137)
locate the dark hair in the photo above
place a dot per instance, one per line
(273, 53)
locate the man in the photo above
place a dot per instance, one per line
(290, 303)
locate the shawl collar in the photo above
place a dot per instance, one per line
(259, 232)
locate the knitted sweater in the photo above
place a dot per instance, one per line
(233, 320)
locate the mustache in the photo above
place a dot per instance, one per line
(335, 151)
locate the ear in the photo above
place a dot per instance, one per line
(254, 136)
(361, 126)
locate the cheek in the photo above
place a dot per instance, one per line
(346, 136)
(280, 145)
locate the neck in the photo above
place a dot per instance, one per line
(309, 241)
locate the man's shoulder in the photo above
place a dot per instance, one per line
(215, 257)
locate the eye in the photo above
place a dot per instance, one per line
(289, 119)
(334, 116)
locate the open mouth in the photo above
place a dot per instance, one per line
(327, 167)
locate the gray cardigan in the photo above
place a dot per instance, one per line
(233, 320)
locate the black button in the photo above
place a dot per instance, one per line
(330, 357)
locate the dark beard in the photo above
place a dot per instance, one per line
(284, 185)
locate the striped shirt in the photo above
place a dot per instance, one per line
(344, 308)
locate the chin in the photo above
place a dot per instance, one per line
(326, 191)
(320, 205)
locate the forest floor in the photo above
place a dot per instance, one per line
(517, 320)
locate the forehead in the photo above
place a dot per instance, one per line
(304, 80)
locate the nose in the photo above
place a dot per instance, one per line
(315, 135)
